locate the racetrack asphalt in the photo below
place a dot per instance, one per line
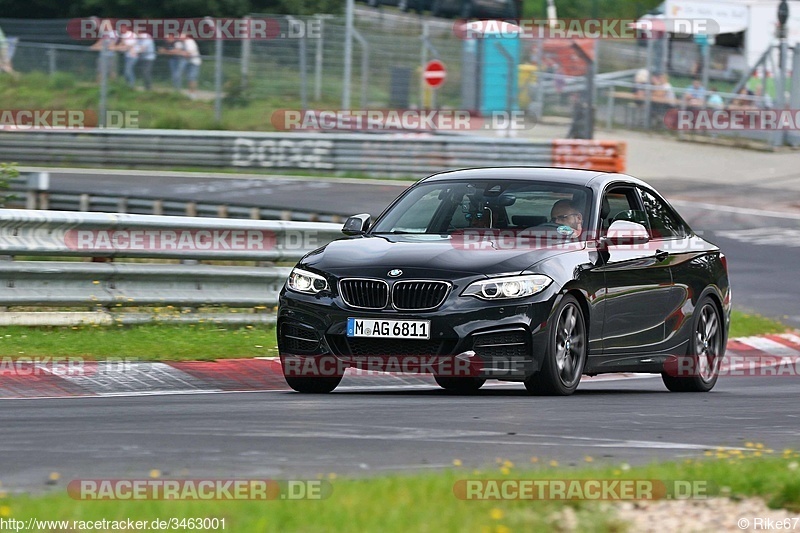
(371, 431)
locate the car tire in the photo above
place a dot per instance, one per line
(466, 9)
(705, 352)
(565, 356)
(460, 385)
(308, 385)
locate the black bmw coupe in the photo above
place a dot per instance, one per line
(533, 275)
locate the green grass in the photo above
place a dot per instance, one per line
(427, 501)
(204, 341)
(745, 325)
(147, 342)
(161, 109)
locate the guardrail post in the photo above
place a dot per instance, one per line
(191, 209)
(38, 184)
(255, 213)
(158, 207)
(122, 205)
(84, 203)
(286, 215)
(222, 211)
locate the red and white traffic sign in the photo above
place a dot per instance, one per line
(435, 73)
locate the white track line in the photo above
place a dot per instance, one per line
(769, 347)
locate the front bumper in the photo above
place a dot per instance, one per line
(469, 337)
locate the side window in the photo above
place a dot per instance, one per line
(620, 203)
(663, 221)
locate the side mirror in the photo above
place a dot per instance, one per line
(626, 233)
(356, 225)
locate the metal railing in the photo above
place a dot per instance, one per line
(105, 285)
(341, 153)
(25, 194)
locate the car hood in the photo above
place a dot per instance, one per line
(428, 255)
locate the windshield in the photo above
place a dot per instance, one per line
(444, 207)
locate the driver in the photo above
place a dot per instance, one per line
(566, 213)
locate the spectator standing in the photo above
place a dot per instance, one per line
(147, 55)
(192, 54)
(106, 44)
(177, 63)
(129, 43)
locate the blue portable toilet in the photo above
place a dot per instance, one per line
(486, 77)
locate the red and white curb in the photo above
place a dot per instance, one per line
(31, 380)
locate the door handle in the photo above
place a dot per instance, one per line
(661, 255)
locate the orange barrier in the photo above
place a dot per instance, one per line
(608, 156)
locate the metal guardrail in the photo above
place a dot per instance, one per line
(106, 285)
(54, 284)
(26, 196)
(372, 154)
(60, 233)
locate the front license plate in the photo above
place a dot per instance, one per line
(389, 329)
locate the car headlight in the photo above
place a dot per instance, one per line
(507, 288)
(306, 282)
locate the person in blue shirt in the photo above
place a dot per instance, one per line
(147, 56)
(695, 94)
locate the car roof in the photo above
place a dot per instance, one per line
(571, 176)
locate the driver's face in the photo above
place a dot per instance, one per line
(564, 214)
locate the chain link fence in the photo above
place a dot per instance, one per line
(303, 68)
